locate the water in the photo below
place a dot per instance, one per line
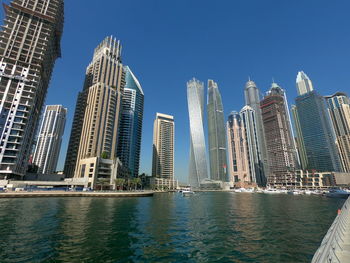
(206, 227)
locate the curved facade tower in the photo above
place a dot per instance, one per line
(252, 99)
(130, 125)
(198, 160)
(216, 133)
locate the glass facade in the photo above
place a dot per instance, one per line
(317, 132)
(216, 134)
(252, 99)
(256, 167)
(130, 127)
(198, 160)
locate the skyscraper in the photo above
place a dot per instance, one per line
(316, 128)
(252, 99)
(256, 167)
(198, 160)
(299, 138)
(29, 45)
(339, 109)
(238, 165)
(95, 125)
(130, 128)
(163, 147)
(278, 137)
(304, 84)
(216, 133)
(48, 147)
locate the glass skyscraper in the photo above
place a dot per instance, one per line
(316, 130)
(252, 99)
(256, 167)
(130, 127)
(216, 133)
(198, 160)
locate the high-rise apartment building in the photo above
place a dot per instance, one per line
(304, 84)
(299, 139)
(29, 45)
(216, 134)
(252, 99)
(198, 160)
(256, 167)
(278, 137)
(130, 128)
(238, 164)
(96, 118)
(49, 141)
(316, 129)
(163, 147)
(339, 109)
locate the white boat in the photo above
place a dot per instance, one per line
(308, 192)
(272, 191)
(187, 192)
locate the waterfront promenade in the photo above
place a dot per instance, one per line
(25, 194)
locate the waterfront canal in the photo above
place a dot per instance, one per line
(206, 227)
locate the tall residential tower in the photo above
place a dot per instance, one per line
(216, 133)
(163, 147)
(260, 160)
(198, 160)
(238, 164)
(94, 133)
(316, 129)
(48, 147)
(278, 137)
(256, 167)
(29, 45)
(130, 129)
(339, 109)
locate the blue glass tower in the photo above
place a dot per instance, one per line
(130, 127)
(316, 129)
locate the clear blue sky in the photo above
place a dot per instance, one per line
(168, 42)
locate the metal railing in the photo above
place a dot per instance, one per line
(335, 246)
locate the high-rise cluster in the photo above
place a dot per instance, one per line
(106, 133)
(261, 146)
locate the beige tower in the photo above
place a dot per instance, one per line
(94, 137)
(237, 151)
(163, 147)
(339, 109)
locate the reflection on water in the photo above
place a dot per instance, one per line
(206, 227)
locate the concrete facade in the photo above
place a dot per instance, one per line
(238, 165)
(49, 140)
(163, 147)
(29, 46)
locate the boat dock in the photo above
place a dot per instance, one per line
(335, 246)
(25, 194)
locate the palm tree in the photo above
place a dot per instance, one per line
(119, 182)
